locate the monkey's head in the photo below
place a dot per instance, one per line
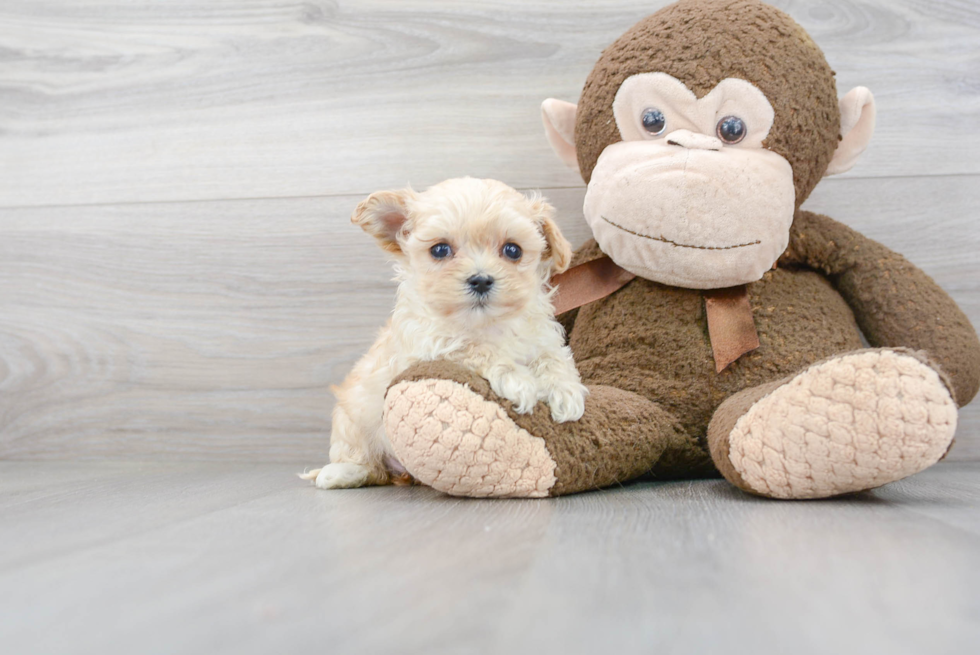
(700, 132)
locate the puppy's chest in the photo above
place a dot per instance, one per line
(521, 350)
(473, 347)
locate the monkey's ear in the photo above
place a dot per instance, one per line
(558, 253)
(385, 216)
(857, 124)
(559, 127)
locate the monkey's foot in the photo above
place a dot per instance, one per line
(851, 423)
(458, 442)
(452, 432)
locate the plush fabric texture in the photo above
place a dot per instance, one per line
(848, 424)
(559, 129)
(657, 404)
(464, 445)
(645, 354)
(857, 124)
(620, 437)
(703, 42)
(653, 340)
(723, 423)
(680, 230)
(689, 115)
(896, 304)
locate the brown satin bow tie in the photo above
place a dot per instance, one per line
(731, 327)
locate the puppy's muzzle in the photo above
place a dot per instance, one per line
(480, 284)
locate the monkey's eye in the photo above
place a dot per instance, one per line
(441, 251)
(731, 129)
(512, 251)
(654, 121)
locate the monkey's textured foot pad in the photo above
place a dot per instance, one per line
(852, 423)
(456, 441)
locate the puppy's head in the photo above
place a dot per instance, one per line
(475, 249)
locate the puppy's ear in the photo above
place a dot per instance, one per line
(559, 250)
(385, 216)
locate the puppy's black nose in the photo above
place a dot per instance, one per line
(480, 284)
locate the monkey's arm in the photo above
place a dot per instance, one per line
(895, 303)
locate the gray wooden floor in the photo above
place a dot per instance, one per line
(180, 285)
(212, 558)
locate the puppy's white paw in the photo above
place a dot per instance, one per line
(519, 387)
(567, 401)
(342, 475)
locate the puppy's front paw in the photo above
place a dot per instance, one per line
(519, 387)
(342, 475)
(567, 401)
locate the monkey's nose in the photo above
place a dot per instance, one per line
(480, 284)
(693, 140)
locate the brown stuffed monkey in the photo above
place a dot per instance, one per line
(736, 348)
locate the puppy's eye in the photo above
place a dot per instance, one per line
(441, 251)
(653, 121)
(512, 251)
(731, 129)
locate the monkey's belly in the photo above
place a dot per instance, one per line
(653, 340)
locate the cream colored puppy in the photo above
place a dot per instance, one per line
(473, 259)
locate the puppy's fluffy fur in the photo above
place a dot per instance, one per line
(505, 329)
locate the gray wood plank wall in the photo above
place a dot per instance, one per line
(178, 277)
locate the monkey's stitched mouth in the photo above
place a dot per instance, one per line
(679, 245)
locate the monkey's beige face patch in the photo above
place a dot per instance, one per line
(682, 110)
(690, 197)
